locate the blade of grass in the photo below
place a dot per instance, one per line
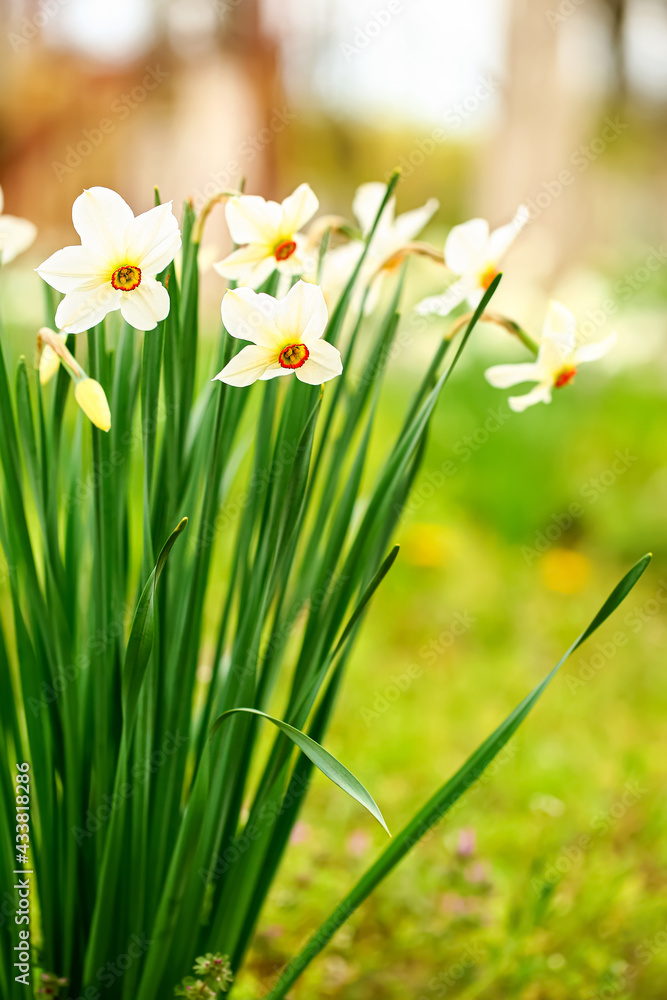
(445, 797)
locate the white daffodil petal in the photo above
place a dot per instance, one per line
(100, 217)
(74, 268)
(247, 366)
(324, 363)
(275, 370)
(593, 352)
(339, 264)
(252, 219)
(553, 356)
(145, 306)
(504, 376)
(442, 305)
(410, 224)
(466, 247)
(366, 205)
(16, 235)
(298, 209)
(81, 310)
(501, 239)
(304, 260)
(152, 240)
(540, 394)
(560, 325)
(374, 292)
(302, 314)
(249, 264)
(249, 315)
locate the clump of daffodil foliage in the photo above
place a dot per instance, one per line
(193, 538)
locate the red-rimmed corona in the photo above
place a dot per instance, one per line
(565, 377)
(268, 236)
(284, 249)
(556, 363)
(126, 278)
(286, 336)
(475, 252)
(487, 276)
(293, 356)
(117, 264)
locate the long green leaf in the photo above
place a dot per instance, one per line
(320, 757)
(140, 642)
(445, 797)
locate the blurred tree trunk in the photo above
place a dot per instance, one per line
(543, 123)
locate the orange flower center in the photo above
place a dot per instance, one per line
(126, 278)
(564, 377)
(487, 276)
(293, 356)
(284, 249)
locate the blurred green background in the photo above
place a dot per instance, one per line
(550, 881)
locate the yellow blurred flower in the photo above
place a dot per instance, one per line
(428, 544)
(565, 571)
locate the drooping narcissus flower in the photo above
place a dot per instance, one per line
(116, 265)
(269, 236)
(390, 241)
(556, 363)
(88, 393)
(285, 334)
(475, 253)
(16, 235)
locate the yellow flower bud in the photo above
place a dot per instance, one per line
(91, 397)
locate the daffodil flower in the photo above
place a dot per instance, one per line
(475, 253)
(286, 336)
(88, 393)
(16, 235)
(269, 234)
(391, 241)
(116, 264)
(556, 364)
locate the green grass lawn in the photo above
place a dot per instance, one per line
(549, 880)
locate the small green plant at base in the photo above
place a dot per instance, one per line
(214, 974)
